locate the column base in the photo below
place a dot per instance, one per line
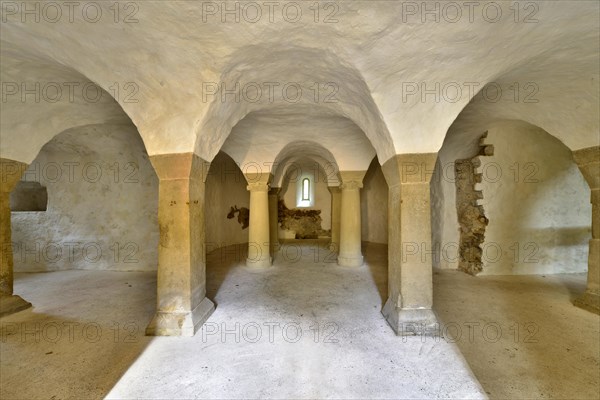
(10, 304)
(589, 301)
(350, 261)
(411, 322)
(264, 263)
(167, 323)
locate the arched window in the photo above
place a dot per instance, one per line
(305, 189)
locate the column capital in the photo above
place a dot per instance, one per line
(351, 185)
(274, 191)
(349, 176)
(334, 189)
(588, 161)
(11, 172)
(177, 166)
(258, 187)
(260, 177)
(409, 169)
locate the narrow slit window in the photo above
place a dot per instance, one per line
(305, 189)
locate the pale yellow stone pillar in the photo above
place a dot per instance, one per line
(350, 254)
(182, 306)
(258, 231)
(10, 174)
(588, 161)
(274, 220)
(336, 207)
(410, 286)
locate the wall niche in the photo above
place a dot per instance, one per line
(29, 196)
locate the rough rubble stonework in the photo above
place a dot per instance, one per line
(306, 224)
(470, 212)
(470, 217)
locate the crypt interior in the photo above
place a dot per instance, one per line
(337, 199)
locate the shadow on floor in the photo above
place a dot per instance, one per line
(78, 340)
(225, 258)
(521, 335)
(376, 254)
(291, 250)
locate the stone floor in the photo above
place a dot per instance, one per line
(304, 328)
(530, 341)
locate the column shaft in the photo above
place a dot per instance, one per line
(10, 174)
(350, 254)
(182, 306)
(588, 161)
(258, 231)
(274, 220)
(336, 208)
(410, 286)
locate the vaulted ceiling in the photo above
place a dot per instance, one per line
(389, 70)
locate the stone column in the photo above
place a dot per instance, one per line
(258, 232)
(350, 254)
(10, 174)
(410, 286)
(588, 161)
(336, 207)
(274, 220)
(182, 306)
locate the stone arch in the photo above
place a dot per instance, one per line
(297, 150)
(261, 65)
(535, 92)
(225, 188)
(514, 166)
(538, 92)
(82, 167)
(57, 97)
(93, 174)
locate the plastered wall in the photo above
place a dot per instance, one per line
(535, 198)
(374, 203)
(225, 188)
(102, 204)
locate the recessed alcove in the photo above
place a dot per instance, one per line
(29, 197)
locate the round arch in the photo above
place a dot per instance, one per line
(524, 176)
(260, 78)
(299, 150)
(57, 98)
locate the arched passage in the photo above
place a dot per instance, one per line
(525, 187)
(527, 97)
(262, 79)
(93, 174)
(304, 201)
(522, 174)
(65, 111)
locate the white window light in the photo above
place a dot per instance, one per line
(306, 189)
(305, 192)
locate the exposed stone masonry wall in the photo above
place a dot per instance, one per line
(471, 215)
